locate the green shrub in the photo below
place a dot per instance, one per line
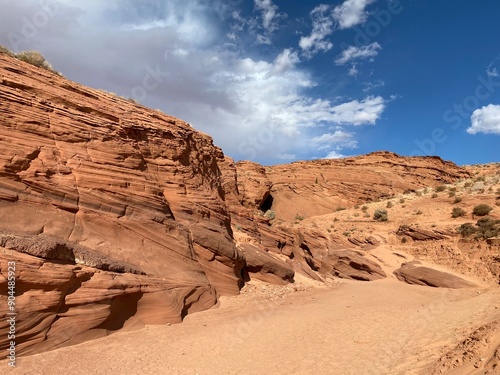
(467, 229)
(299, 217)
(402, 200)
(6, 51)
(364, 208)
(440, 189)
(457, 212)
(457, 200)
(487, 228)
(434, 195)
(270, 214)
(34, 58)
(340, 209)
(389, 204)
(467, 184)
(482, 210)
(380, 215)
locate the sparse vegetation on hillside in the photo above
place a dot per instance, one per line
(270, 214)
(467, 229)
(31, 57)
(457, 212)
(440, 189)
(482, 210)
(380, 215)
(6, 51)
(485, 228)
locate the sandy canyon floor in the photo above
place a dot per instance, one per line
(348, 327)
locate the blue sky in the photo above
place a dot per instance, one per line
(276, 81)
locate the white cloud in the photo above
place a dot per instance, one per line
(355, 112)
(264, 39)
(485, 120)
(492, 72)
(285, 61)
(269, 13)
(334, 155)
(261, 27)
(352, 53)
(338, 140)
(369, 86)
(351, 13)
(353, 71)
(323, 24)
(254, 108)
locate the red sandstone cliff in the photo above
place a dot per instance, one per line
(119, 216)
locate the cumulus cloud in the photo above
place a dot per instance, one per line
(355, 112)
(353, 71)
(285, 61)
(261, 108)
(358, 53)
(485, 120)
(323, 25)
(260, 27)
(269, 14)
(351, 13)
(334, 155)
(337, 140)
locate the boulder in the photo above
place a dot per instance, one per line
(416, 274)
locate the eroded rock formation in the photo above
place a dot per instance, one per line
(119, 216)
(416, 274)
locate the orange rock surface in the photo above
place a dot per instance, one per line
(151, 219)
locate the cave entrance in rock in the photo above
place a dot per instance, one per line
(267, 203)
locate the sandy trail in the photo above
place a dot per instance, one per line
(383, 327)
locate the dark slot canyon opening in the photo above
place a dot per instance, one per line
(267, 203)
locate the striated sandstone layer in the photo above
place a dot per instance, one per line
(317, 187)
(125, 182)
